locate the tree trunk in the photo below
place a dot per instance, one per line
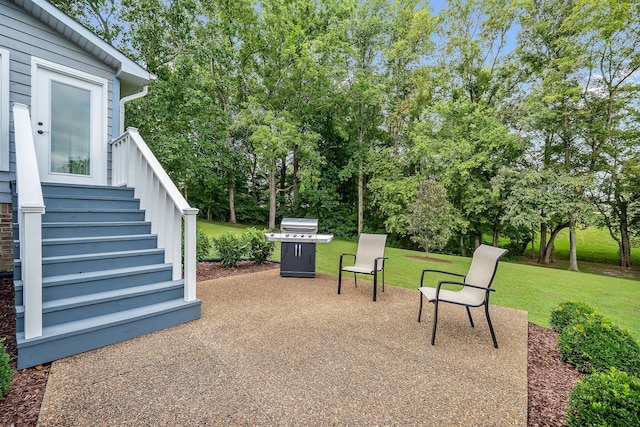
(221, 93)
(272, 196)
(232, 205)
(533, 244)
(294, 183)
(360, 199)
(254, 179)
(573, 254)
(360, 182)
(496, 237)
(549, 247)
(476, 241)
(625, 244)
(463, 251)
(543, 241)
(283, 176)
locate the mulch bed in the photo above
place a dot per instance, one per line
(550, 379)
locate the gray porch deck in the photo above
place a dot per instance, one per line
(290, 351)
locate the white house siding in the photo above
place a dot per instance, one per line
(25, 37)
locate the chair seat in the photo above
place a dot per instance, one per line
(473, 299)
(356, 269)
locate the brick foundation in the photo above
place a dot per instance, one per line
(6, 241)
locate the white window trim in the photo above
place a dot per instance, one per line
(4, 110)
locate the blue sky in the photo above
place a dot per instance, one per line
(437, 5)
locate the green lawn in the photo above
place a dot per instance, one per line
(526, 287)
(594, 244)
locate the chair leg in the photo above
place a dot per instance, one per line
(375, 284)
(420, 311)
(435, 323)
(493, 334)
(383, 280)
(469, 314)
(339, 280)
(355, 280)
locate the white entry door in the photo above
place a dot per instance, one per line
(69, 124)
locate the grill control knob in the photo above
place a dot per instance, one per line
(286, 235)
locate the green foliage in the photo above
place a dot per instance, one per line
(430, 219)
(569, 313)
(605, 399)
(203, 246)
(258, 248)
(230, 248)
(6, 371)
(596, 344)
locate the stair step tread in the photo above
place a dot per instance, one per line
(92, 209)
(113, 196)
(84, 186)
(105, 321)
(71, 240)
(102, 255)
(93, 224)
(80, 277)
(97, 297)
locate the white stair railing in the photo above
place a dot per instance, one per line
(30, 210)
(134, 165)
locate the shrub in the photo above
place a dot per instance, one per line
(570, 312)
(605, 399)
(6, 372)
(258, 248)
(595, 345)
(203, 246)
(230, 249)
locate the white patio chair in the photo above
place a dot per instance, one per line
(369, 259)
(476, 286)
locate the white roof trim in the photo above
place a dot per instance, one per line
(128, 70)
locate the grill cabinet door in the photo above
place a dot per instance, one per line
(297, 259)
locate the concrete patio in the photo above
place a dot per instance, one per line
(272, 351)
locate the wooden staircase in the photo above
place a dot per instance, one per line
(104, 279)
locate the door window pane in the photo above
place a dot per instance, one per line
(70, 129)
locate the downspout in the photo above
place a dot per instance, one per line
(145, 90)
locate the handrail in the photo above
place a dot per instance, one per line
(30, 209)
(134, 165)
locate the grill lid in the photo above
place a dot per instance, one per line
(298, 230)
(299, 225)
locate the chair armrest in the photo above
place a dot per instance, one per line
(375, 263)
(450, 282)
(438, 271)
(343, 255)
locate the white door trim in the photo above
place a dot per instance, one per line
(99, 142)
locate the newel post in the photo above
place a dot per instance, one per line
(31, 244)
(190, 259)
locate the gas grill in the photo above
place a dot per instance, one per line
(298, 249)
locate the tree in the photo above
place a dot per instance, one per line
(535, 196)
(609, 38)
(465, 145)
(364, 90)
(552, 59)
(429, 217)
(100, 16)
(220, 50)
